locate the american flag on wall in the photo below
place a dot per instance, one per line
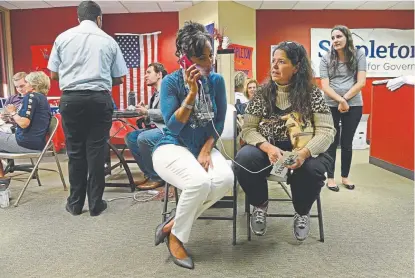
(138, 50)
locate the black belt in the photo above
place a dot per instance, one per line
(84, 91)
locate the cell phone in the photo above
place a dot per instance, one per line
(289, 158)
(185, 62)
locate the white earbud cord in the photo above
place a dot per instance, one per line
(202, 92)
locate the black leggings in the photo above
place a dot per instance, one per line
(350, 120)
(306, 181)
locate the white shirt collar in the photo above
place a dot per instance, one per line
(88, 23)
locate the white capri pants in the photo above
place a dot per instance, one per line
(200, 189)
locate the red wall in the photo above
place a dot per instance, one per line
(42, 26)
(296, 25)
(393, 126)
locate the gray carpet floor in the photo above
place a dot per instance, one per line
(369, 233)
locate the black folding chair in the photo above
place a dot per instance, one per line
(283, 183)
(229, 133)
(48, 151)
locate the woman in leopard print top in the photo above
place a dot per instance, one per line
(290, 90)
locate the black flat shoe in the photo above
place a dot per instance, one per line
(349, 186)
(333, 188)
(159, 235)
(186, 262)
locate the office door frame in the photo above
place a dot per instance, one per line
(6, 52)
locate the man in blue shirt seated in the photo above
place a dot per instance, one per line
(142, 142)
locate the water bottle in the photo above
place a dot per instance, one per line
(131, 98)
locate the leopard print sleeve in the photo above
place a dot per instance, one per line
(252, 118)
(318, 103)
(256, 106)
(324, 130)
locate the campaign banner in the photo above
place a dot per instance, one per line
(243, 58)
(389, 52)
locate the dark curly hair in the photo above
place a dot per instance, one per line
(349, 51)
(191, 39)
(302, 82)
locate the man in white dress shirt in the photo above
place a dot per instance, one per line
(87, 62)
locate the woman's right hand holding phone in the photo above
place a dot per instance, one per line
(192, 75)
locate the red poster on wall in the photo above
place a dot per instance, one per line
(243, 58)
(40, 56)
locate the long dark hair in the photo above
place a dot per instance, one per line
(191, 39)
(349, 51)
(302, 82)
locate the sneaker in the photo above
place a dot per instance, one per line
(301, 226)
(259, 221)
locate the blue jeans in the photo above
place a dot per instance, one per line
(141, 144)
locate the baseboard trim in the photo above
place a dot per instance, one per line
(392, 168)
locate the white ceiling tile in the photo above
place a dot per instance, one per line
(112, 7)
(277, 5)
(250, 4)
(174, 6)
(403, 5)
(377, 5)
(140, 7)
(63, 3)
(311, 5)
(8, 5)
(345, 5)
(30, 4)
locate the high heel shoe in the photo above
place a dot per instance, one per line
(186, 262)
(160, 235)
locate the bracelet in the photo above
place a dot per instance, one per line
(13, 114)
(188, 106)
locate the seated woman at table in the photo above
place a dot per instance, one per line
(193, 104)
(32, 120)
(289, 98)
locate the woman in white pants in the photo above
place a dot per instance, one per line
(193, 104)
